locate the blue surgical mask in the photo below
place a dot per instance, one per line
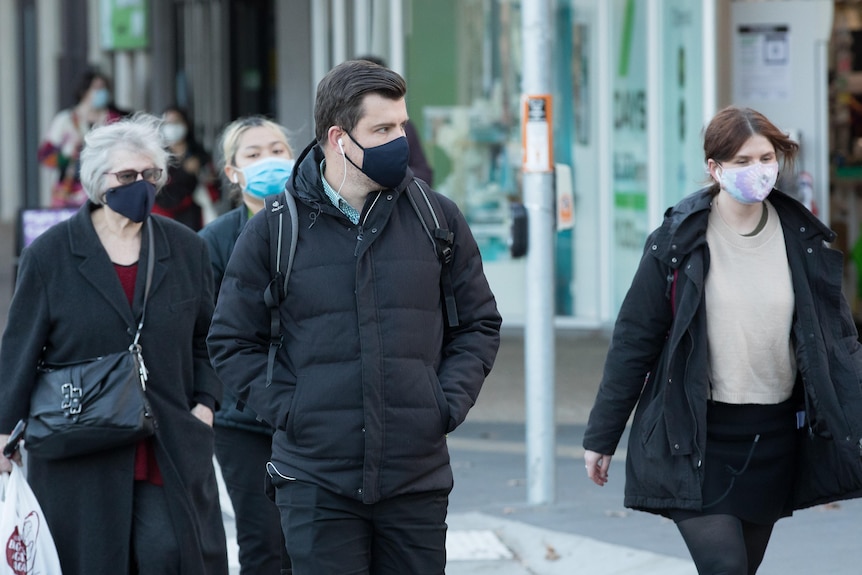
(385, 164)
(267, 177)
(135, 200)
(100, 98)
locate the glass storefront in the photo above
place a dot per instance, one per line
(682, 100)
(629, 156)
(629, 143)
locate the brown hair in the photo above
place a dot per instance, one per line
(731, 127)
(342, 90)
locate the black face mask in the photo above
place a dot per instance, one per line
(385, 164)
(135, 200)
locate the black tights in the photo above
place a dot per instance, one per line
(724, 544)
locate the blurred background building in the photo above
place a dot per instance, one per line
(635, 82)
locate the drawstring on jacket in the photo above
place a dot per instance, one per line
(734, 474)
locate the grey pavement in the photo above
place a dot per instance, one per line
(586, 529)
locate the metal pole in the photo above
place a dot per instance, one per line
(396, 35)
(539, 325)
(339, 31)
(361, 27)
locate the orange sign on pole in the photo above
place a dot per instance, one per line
(536, 133)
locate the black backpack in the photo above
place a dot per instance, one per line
(283, 249)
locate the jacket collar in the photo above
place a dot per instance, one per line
(97, 269)
(684, 226)
(305, 182)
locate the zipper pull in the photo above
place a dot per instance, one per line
(359, 237)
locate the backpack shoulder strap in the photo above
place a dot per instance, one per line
(283, 234)
(442, 239)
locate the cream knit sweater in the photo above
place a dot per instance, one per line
(749, 311)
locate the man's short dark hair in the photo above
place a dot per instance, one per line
(341, 91)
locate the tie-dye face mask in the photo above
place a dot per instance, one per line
(749, 184)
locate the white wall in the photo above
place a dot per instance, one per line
(803, 107)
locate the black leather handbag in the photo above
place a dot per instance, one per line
(92, 405)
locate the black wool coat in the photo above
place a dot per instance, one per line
(369, 379)
(657, 361)
(69, 306)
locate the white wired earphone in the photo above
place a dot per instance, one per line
(344, 170)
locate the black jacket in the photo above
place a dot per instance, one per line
(368, 381)
(658, 360)
(221, 235)
(69, 306)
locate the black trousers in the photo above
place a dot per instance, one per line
(334, 535)
(242, 456)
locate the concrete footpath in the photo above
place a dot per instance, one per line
(586, 529)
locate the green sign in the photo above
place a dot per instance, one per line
(124, 24)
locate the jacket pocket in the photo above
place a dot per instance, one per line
(442, 404)
(647, 423)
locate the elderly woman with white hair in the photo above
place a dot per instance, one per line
(149, 507)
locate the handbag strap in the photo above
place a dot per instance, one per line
(151, 257)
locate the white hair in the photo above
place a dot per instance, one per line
(138, 134)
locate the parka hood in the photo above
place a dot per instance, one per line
(684, 224)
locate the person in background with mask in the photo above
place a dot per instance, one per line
(738, 348)
(151, 507)
(257, 161)
(370, 376)
(61, 147)
(190, 176)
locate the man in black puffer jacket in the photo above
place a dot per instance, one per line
(369, 379)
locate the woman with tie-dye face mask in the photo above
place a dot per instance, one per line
(257, 161)
(738, 351)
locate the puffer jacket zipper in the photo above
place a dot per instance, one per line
(361, 230)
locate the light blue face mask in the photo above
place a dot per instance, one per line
(267, 176)
(100, 98)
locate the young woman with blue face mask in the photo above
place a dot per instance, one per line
(260, 159)
(257, 161)
(738, 353)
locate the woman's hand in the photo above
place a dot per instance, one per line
(203, 413)
(597, 466)
(5, 463)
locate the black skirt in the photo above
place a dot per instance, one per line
(749, 463)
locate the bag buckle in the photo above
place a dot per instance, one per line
(71, 399)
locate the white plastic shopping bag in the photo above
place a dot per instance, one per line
(28, 548)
